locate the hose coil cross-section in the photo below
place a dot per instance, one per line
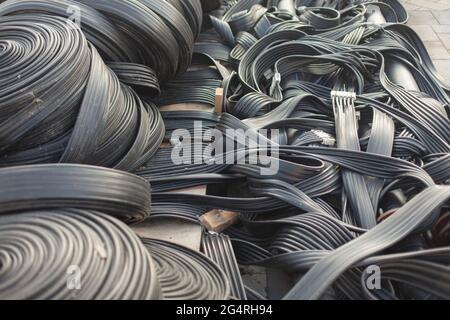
(186, 274)
(119, 194)
(73, 254)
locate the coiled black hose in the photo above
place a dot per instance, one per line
(120, 194)
(60, 103)
(43, 252)
(121, 29)
(185, 274)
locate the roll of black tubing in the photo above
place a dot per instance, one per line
(87, 116)
(41, 250)
(98, 29)
(119, 194)
(185, 274)
(120, 29)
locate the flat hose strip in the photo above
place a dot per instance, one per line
(355, 187)
(185, 274)
(41, 251)
(411, 218)
(179, 211)
(119, 194)
(86, 116)
(219, 249)
(431, 265)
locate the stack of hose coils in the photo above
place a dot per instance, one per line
(99, 100)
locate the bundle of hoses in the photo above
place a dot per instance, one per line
(219, 249)
(61, 238)
(186, 274)
(340, 96)
(42, 252)
(78, 77)
(153, 33)
(362, 151)
(61, 103)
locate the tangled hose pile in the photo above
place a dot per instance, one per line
(363, 147)
(338, 101)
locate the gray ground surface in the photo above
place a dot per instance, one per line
(431, 20)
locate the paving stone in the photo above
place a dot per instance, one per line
(443, 17)
(410, 7)
(446, 2)
(445, 39)
(434, 14)
(437, 50)
(440, 28)
(425, 32)
(430, 4)
(422, 18)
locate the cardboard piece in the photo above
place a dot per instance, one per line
(218, 220)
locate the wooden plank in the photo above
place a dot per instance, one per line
(218, 104)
